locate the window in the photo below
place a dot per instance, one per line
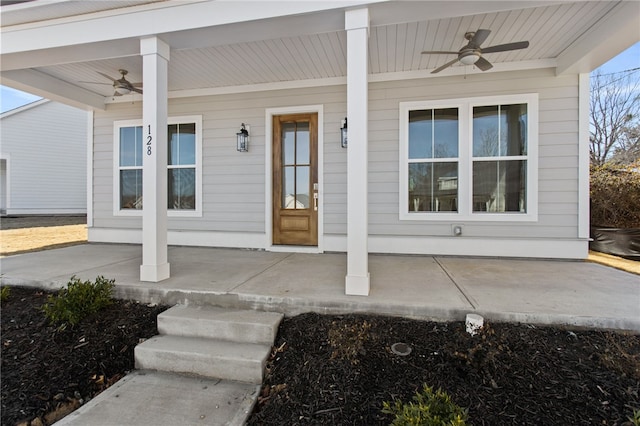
(183, 168)
(469, 159)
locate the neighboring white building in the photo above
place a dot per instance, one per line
(458, 162)
(43, 159)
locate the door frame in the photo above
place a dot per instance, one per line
(269, 114)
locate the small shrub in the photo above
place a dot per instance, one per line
(615, 196)
(78, 300)
(428, 409)
(5, 292)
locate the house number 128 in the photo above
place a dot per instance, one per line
(149, 139)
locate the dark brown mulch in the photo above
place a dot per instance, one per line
(46, 370)
(338, 370)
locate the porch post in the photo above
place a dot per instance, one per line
(155, 58)
(357, 27)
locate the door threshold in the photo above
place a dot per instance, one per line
(294, 249)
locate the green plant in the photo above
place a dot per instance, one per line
(78, 300)
(428, 409)
(635, 420)
(615, 195)
(5, 292)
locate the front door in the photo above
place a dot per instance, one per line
(295, 179)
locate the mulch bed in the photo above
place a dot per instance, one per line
(48, 372)
(338, 370)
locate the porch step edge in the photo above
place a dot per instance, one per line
(243, 362)
(211, 322)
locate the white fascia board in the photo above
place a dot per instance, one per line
(614, 33)
(175, 16)
(41, 84)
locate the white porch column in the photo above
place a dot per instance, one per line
(357, 26)
(155, 58)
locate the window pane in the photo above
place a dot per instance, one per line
(288, 143)
(499, 186)
(182, 144)
(131, 189)
(433, 187)
(182, 189)
(289, 187)
(500, 130)
(445, 133)
(486, 131)
(302, 187)
(513, 134)
(421, 134)
(433, 133)
(131, 146)
(302, 143)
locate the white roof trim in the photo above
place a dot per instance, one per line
(22, 108)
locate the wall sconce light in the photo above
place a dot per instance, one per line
(343, 134)
(242, 139)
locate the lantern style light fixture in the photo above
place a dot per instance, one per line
(343, 134)
(242, 139)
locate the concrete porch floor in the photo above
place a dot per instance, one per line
(441, 288)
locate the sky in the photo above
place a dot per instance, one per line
(629, 59)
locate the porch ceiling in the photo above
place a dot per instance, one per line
(313, 46)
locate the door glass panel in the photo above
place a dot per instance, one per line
(289, 187)
(302, 187)
(288, 143)
(302, 143)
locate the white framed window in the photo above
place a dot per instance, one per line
(469, 159)
(184, 171)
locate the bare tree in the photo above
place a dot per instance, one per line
(615, 116)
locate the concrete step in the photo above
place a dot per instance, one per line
(243, 362)
(220, 323)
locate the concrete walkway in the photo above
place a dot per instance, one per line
(440, 288)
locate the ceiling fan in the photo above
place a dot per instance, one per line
(472, 53)
(121, 86)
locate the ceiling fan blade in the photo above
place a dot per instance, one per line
(447, 65)
(505, 47)
(136, 84)
(106, 76)
(479, 37)
(483, 64)
(95, 82)
(135, 89)
(438, 52)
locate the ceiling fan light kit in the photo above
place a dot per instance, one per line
(471, 53)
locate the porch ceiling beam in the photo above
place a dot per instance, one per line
(615, 32)
(41, 84)
(70, 54)
(180, 16)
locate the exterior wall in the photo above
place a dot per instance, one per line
(45, 151)
(234, 183)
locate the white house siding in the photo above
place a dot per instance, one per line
(234, 183)
(45, 152)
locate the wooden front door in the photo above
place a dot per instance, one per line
(295, 179)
